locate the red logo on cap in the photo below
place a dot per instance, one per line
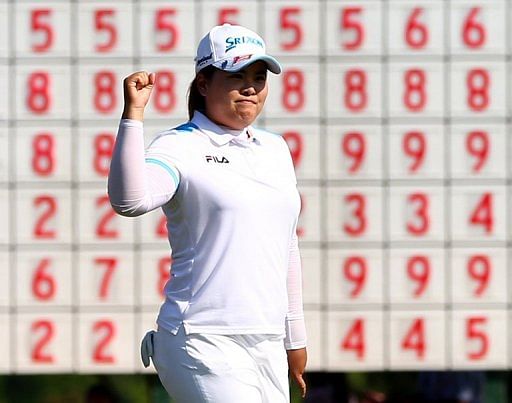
(237, 59)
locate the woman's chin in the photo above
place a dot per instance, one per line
(247, 116)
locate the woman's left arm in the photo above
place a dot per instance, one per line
(295, 341)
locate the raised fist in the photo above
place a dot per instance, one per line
(137, 90)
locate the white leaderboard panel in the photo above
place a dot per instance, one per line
(396, 114)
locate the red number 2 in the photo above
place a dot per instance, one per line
(38, 353)
(108, 330)
(41, 230)
(102, 229)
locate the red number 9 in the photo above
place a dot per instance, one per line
(477, 144)
(414, 146)
(354, 147)
(418, 270)
(479, 269)
(296, 146)
(355, 270)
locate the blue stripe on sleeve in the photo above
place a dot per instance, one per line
(166, 167)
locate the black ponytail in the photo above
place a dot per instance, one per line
(196, 101)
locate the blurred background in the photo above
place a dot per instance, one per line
(396, 114)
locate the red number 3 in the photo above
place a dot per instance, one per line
(359, 213)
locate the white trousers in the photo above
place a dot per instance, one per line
(211, 368)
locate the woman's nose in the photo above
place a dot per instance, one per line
(248, 89)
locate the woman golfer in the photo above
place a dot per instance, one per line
(232, 322)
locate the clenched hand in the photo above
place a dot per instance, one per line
(137, 90)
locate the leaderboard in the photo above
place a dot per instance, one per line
(397, 115)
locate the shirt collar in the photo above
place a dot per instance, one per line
(221, 135)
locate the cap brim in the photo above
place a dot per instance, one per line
(272, 64)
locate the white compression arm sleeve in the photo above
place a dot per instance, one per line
(295, 326)
(136, 186)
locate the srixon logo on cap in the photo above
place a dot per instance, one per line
(231, 42)
(218, 160)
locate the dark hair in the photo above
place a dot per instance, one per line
(195, 99)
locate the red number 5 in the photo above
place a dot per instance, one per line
(102, 24)
(473, 332)
(38, 24)
(349, 23)
(163, 24)
(287, 23)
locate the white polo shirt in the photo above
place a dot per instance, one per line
(230, 223)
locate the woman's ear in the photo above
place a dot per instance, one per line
(202, 84)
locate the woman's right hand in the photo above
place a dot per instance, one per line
(137, 90)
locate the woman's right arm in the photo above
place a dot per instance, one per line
(134, 185)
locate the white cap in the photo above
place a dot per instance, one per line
(231, 48)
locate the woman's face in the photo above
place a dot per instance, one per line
(235, 99)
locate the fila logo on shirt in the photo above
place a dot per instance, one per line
(219, 160)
